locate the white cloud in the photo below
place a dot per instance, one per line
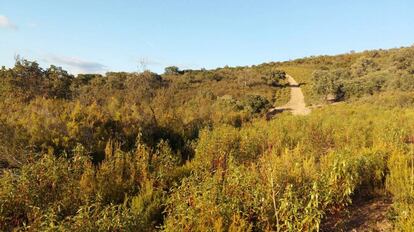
(77, 65)
(6, 23)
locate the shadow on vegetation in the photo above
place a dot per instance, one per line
(273, 112)
(287, 85)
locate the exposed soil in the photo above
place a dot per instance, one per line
(363, 215)
(296, 104)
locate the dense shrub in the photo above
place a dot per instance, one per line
(187, 150)
(328, 83)
(400, 183)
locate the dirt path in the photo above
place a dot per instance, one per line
(368, 215)
(362, 215)
(296, 104)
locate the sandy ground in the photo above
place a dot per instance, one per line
(296, 104)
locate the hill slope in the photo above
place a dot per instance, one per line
(190, 150)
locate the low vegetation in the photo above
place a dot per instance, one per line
(190, 150)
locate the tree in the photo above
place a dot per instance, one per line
(274, 76)
(28, 79)
(59, 82)
(172, 70)
(328, 83)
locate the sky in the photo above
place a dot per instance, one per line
(96, 36)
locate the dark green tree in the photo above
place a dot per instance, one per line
(59, 82)
(172, 70)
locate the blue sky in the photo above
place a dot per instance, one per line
(109, 35)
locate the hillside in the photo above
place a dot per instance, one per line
(192, 150)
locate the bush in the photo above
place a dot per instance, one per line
(328, 83)
(255, 103)
(400, 183)
(363, 66)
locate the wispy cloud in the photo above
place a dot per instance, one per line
(77, 65)
(6, 23)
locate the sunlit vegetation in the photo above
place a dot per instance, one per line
(191, 150)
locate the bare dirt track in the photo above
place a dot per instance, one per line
(296, 104)
(362, 216)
